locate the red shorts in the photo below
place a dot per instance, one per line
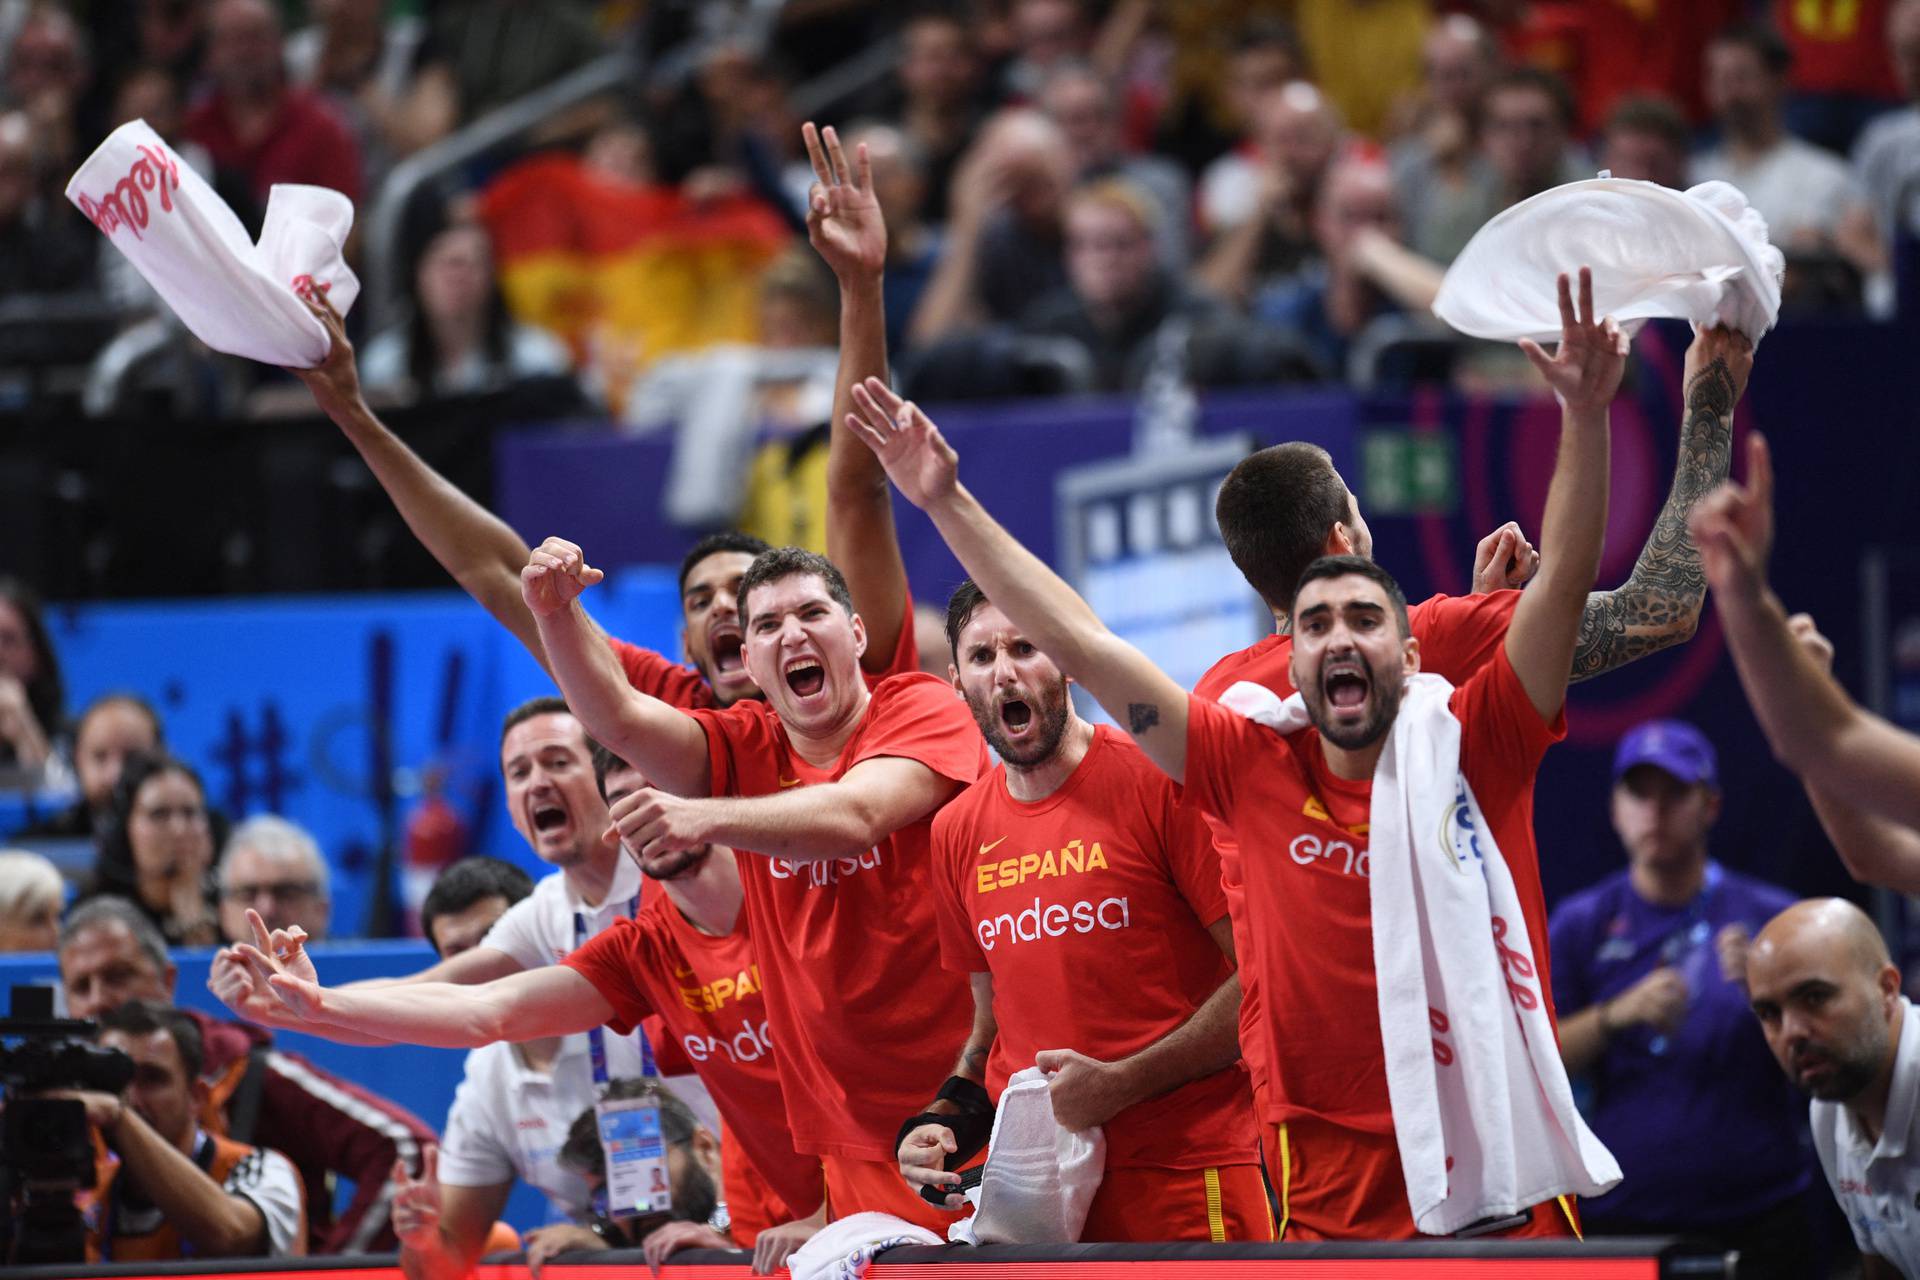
(1228, 1202)
(1336, 1183)
(752, 1205)
(858, 1186)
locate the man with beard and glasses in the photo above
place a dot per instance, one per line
(1069, 873)
(1828, 998)
(485, 556)
(1300, 803)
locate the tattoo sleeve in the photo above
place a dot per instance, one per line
(1658, 606)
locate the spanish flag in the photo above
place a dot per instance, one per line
(626, 274)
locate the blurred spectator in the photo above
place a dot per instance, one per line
(49, 69)
(1003, 248)
(1118, 294)
(1437, 159)
(483, 54)
(1365, 57)
(274, 867)
(1524, 141)
(1259, 207)
(1646, 138)
(1217, 83)
(362, 62)
(1046, 35)
(259, 129)
(1610, 51)
(930, 640)
(913, 248)
(1886, 161)
(1841, 75)
(1332, 299)
(113, 728)
(331, 1129)
(32, 697)
(44, 247)
(1649, 973)
(158, 849)
(458, 338)
(1812, 207)
(1087, 108)
(466, 899)
(939, 111)
(31, 895)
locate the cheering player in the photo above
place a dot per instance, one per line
(1302, 801)
(1070, 872)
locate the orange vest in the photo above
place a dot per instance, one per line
(217, 1155)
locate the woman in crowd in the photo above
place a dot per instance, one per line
(158, 849)
(31, 894)
(32, 699)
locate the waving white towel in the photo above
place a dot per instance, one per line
(1700, 255)
(234, 295)
(1040, 1178)
(1482, 1111)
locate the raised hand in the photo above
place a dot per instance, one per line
(1504, 559)
(1724, 354)
(1584, 370)
(416, 1201)
(919, 461)
(843, 216)
(556, 573)
(1733, 525)
(279, 964)
(335, 381)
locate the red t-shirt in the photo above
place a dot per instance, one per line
(707, 993)
(1457, 635)
(1106, 886)
(307, 143)
(682, 686)
(1839, 46)
(865, 1019)
(1306, 893)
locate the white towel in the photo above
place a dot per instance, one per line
(1482, 1111)
(1700, 255)
(235, 296)
(843, 1249)
(1040, 1178)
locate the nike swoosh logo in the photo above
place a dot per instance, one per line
(789, 782)
(985, 849)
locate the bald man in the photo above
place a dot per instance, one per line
(1828, 999)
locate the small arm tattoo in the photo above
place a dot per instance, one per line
(1658, 606)
(1142, 716)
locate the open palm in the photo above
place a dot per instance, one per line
(919, 461)
(1584, 370)
(843, 216)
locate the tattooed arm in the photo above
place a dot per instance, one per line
(1659, 604)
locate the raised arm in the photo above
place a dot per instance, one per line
(1659, 604)
(845, 226)
(663, 742)
(870, 802)
(1139, 695)
(1854, 757)
(1584, 373)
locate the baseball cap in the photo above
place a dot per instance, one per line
(1672, 745)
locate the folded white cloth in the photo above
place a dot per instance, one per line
(842, 1249)
(1482, 1111)
(1700, 255)
(1040, 1178)
(235, 296)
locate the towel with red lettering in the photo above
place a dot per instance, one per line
(235, 295)
(1492, 1129)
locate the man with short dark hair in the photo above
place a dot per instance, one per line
(178, 1191)
(1649, 972)
(1647, 138)
(1067, 873)
(1298, 788)
(1829, 1003)
(466, 899)
(110, 953)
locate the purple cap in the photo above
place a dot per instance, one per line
(1672, 745)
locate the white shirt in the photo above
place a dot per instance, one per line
(538, 930)
(509, 1121)
(1886, 164)
(264, 1178)
(1797, 187)
(1877, 1184)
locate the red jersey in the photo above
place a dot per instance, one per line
(1839, 46)
(307, 142)
(864, 1018)
(707, 992)
(1107, 885)
(1306, 892)
(1457, 635)
(679, 685)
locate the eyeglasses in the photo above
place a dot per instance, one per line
(279, 891)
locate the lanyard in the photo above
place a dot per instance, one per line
(597, 1037)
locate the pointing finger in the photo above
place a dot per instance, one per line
(811, 136)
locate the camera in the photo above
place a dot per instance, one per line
(46, 1150)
